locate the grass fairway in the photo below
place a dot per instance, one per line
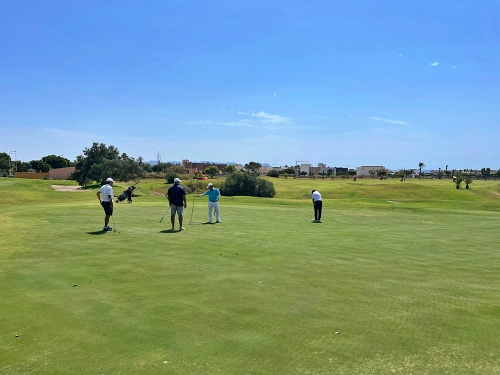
(407, 274)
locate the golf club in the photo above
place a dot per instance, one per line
(114, 226)
(192, 209)
(163, 216)
(165, 212)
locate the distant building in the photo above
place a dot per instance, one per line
(198, 167)
(337, 171)
(364, 171)
(305, 168)
(321, 168)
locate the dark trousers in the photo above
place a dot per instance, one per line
(318, 205)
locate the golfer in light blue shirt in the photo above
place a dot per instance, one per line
(213, 202)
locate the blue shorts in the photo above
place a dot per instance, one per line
(108, 210)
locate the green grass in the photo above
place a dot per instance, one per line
(408, 273)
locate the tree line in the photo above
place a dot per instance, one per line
(99, 162)
(43, 165)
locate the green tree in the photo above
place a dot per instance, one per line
(5, 161)
(161, 167)
(56, 161)
(485, 173)
(382, 173)
(96, 164)
(211, 170)
(145, 166)
(229, 168)
(23, 166)
(253, 167)
(40, 166)
(128, 168)
(459, 178)
(467, 178)
(420, 166)
(440, 173)
(289, 171)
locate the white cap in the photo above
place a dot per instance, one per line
(177, 181)
(210, 185)
(109, 179)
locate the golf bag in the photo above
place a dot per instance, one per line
(127, 194)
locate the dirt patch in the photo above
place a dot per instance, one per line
(68, 188)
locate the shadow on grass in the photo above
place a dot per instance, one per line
(98, 233)
(170, 231)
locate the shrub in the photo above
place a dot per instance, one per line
(247, 184)
(264, 188)
(194, 185)
(176, 169)
(273, 173)
(170, 176)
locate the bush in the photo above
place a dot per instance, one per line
(170, 176)
(176, 169)
(264, 189)
(273, 173)
(247, 184)
(194, 185)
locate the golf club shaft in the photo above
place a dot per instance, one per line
(163, 216)
(192, 209)
(166, 211)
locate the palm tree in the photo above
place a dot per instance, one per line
(467, 178)
(420, 166)
(459, 178)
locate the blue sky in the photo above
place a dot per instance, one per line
(346, 83)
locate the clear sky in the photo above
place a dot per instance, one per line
(345, 83)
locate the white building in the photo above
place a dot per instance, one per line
(364, 171)
(305, 168)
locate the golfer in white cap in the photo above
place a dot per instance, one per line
(213, 202)
(106, 196)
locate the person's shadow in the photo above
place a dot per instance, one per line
(98, 233)
(170, 231)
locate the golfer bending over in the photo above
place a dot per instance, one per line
(213, 202)
(318, 205)
(106, 196)
(177, 201)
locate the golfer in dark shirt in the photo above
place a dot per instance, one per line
(177, 199)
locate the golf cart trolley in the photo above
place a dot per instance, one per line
(127, 194)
